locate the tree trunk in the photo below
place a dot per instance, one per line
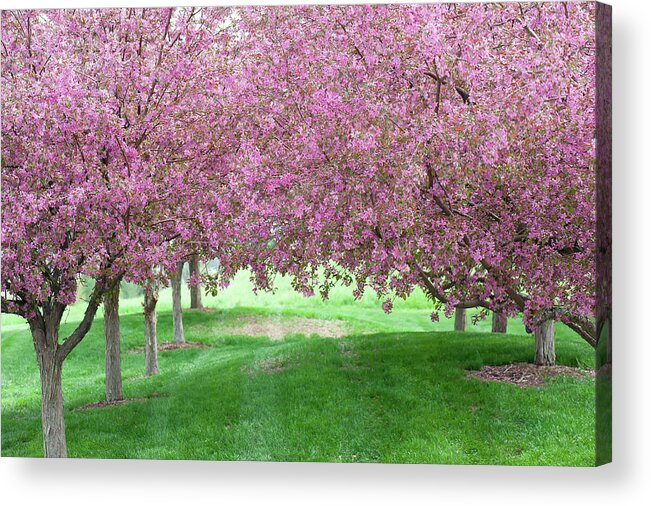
(49, 365)
(545, 352)
(54, 431)
(112, 338)
(44, 327)
(460, 319)
(499, 322)
(151, 343)
(177, 312)
(195, 290)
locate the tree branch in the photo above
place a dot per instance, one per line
(5, 307)
(84, 326)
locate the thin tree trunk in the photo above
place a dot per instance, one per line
(177, 312)
(151, 343)
(112, 338)
(195, 290)
(49, 365)
(545, 352)
(459, 319)
(499, 322)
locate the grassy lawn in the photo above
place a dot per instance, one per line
(392, 390)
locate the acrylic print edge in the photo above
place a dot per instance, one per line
(603, 309)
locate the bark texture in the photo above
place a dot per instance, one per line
(45, 335)
(545, 346)
(54, 431)
(460, 319)
(195, 290)
(177, 312)
(112, 339)
(151, 342)
(499, 323)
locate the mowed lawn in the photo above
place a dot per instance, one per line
(392, 389)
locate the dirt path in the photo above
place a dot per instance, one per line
(276, 327)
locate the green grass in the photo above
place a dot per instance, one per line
(394, 390)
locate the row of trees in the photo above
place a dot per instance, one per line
(446, 147)
(113, 380)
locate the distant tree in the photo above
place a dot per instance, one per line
(151, 321)
(500, 322)
(195, 285)
(177, 308)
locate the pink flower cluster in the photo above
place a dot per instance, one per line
(448, 147)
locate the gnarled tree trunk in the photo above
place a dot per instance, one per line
(195, 290)
(545, 346)
(460, 319)
(499, 322)
(177, 312)
(113, 379)
(151, 343)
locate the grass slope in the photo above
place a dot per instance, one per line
(394, 390)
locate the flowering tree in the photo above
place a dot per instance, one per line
(443, 146)
(113, 130)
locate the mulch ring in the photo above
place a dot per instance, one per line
(527, 375)
(108, 404)
(172, 346)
